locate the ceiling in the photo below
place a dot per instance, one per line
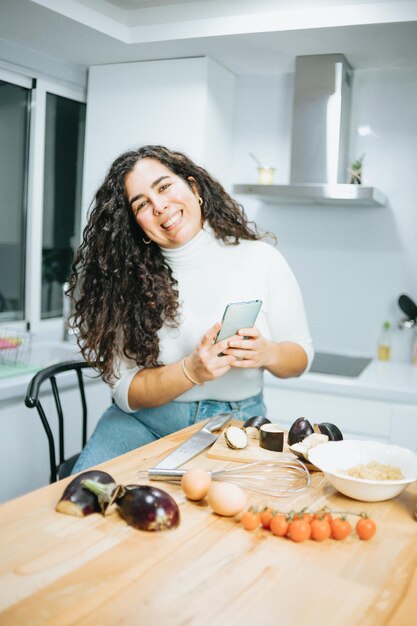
(129, 5)
(246, 36)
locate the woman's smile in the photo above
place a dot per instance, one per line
(166, 207)
(172, 221)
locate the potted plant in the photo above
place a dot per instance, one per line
(355, 172)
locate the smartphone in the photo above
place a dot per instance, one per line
(238, 315)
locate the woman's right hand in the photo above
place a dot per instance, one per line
(207, 362)
(155, 386)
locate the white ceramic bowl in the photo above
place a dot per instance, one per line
(334, 457)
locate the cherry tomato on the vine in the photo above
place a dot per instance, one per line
(266, 517)
(365, 528)
(341, 528)
(323, 515)
(279, 525)
(320, 529)
(299, 530)
(250, 519)
(307, 517)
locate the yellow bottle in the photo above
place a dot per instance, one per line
(414, 353)
(384, 344)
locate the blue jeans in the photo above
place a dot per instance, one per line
(118, 432)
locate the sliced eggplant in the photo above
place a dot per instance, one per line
(253, 424)
(302, 448)
(271, 437)
(251, 432)
(256, 421)
(300, 429)
(331, 430)
(79, 501)
(235, 437)
(299, 450)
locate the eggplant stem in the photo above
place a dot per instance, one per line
(106, 494)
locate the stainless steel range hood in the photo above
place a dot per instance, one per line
(320, 137)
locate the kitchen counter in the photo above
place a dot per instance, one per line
(58, 569)
(43, 353)
(386, 381)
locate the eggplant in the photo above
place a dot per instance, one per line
(271, 437)
(331, 430)
(251, 432)
(253, 424)
(79, 501)
(302, 448)
(256, 421)
(141, 506)
(300, 429)
(236, 438)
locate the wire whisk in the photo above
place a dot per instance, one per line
(281, 478)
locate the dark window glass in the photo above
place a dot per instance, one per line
(64, 146)
(14, 131)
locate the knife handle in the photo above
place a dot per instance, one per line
(164, 474)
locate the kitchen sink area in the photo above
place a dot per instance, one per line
(335, 374)
(339, 364)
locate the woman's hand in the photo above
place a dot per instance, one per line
(210, 360)
(284, 359)
(250, 349)
(156, 386)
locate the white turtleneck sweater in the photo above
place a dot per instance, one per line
(210, 275)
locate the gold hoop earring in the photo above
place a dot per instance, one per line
(147, 241)
(200, 200)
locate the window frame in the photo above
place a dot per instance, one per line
(39, 88)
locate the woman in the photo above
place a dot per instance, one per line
(164, 251)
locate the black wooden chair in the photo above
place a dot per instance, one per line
(64, 466)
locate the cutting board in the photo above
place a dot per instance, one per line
(253, 451)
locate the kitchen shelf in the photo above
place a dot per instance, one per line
(318, 194)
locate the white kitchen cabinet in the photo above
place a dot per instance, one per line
(361, 418)
(142, 102)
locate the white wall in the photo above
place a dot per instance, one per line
(185, 104)
(351, 263)
(219, 116)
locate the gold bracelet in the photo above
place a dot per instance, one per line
(184, 369)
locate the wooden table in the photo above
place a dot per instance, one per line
(58, 570)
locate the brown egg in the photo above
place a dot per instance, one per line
(195, 483)
(226, 499)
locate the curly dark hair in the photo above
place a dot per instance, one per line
(123, 290)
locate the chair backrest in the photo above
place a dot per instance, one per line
(64, 466)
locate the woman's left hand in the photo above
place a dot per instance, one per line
(252, 350)
(284, 359)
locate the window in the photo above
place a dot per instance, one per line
(64, 147)
(14, 135)
(42, 128)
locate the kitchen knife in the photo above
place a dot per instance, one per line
(198, 442)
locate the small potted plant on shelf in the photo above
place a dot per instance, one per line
(355, 171)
